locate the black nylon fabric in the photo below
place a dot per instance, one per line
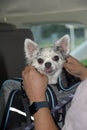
(67, 81)
(13, 120)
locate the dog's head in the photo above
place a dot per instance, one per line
(48, 60)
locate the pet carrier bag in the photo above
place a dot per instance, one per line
(17, 115)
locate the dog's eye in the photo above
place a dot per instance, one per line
(55, 58)
(40, 61)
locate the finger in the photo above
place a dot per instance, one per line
(26, 69)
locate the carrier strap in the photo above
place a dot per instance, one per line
(26, 105)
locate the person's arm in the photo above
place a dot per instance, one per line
(74, 67)
(35, 85)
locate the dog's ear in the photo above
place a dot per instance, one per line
(30, 48)
(64, 44)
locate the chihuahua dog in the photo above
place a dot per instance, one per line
(48, 60)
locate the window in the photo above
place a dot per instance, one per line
(46, 34)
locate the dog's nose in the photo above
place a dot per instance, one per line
(47, 64)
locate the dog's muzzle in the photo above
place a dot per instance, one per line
(48, 67)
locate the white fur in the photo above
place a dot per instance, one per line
(61, 49)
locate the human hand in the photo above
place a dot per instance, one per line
(74, 67)
(35, 84)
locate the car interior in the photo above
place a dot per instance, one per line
(43, 22)
(56, 18)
